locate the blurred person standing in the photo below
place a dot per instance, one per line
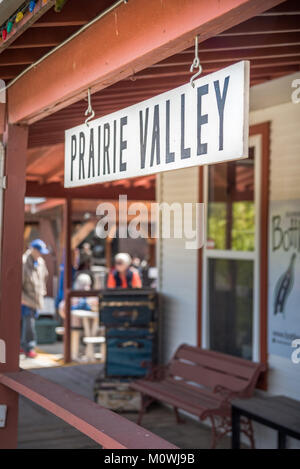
(34, 279)
(123, 275)
(85, 257)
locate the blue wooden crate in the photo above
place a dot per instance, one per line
(135, 309)
(129, 315)
(126, 356)
(129, 333)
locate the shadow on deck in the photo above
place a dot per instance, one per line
(38, 429)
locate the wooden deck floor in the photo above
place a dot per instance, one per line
(39, 429)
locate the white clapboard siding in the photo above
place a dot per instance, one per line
(177, 267)
(284, 376)
(285, 149)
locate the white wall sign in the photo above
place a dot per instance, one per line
(180, 128)
(284, 277)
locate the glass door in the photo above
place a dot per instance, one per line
(231, 283)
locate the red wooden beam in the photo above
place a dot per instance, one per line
(99, 103)
(101, 425)
(96, 191)
(266, 25)
(25, 56)
(43, 37)
(152, 73)
(290, 7)
(274, 71)
(220, 43)
(55, 173)
(133, 37)
(211, 66)
(37, 155)
(230, 55)
(15, 139)
(7, 73)
(73, 14)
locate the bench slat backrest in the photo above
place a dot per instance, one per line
(210, 369)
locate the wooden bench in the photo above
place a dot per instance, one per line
(202, 382)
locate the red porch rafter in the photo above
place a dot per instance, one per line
(133, 37)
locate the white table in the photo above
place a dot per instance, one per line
(90, 322)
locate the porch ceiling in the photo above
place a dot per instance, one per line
(41, 34)
(276, 28)
(271, 41)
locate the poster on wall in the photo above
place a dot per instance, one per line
(284, 276)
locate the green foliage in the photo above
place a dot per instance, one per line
(243, 225)
(217, 224)
(243, 232)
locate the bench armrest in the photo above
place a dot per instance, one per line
(226, 393)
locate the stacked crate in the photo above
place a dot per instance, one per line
(130, 321)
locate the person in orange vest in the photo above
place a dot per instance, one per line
(123, 275)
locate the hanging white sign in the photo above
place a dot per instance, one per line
(180, 128)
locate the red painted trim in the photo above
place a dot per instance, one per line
(15, 139)
(95, 191)
(200, 266)
(100, 424)
(67, 278)
(264, 131)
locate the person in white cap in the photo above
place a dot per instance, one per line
(123, 275)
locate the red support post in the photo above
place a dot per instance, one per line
(67, 279)
(15, 141)
(199, 264)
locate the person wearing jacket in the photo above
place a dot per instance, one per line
(124, 276)
(34, 278)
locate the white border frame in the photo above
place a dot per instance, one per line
(256, 142)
